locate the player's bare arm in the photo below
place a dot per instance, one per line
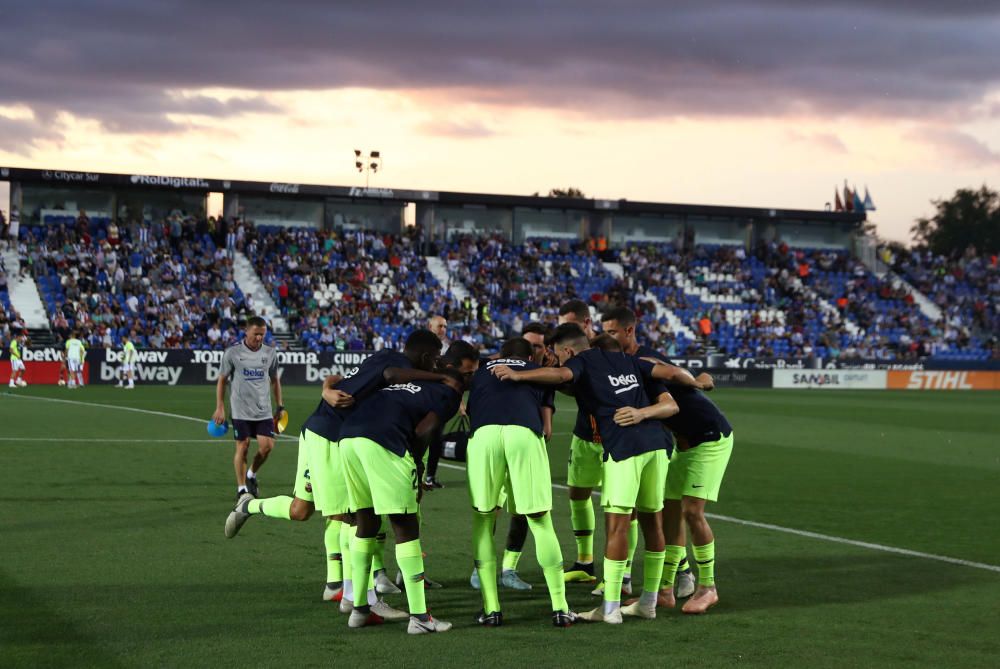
(680, 376)
(665, 407)
(550, 376)
(426, 430)
(220, 401)
(547, 422)
(336, 398)
(276, 389)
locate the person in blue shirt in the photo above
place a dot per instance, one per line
(608, 386)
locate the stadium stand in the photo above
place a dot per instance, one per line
(351, 290)
(967, 290)
(172, 282)
(169, 282)
(513, 285)
(781, 301)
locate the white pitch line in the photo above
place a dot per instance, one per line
(728, 519)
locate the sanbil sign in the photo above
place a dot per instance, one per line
(833, 379)
(944, 380)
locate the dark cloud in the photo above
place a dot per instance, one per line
(116, 61)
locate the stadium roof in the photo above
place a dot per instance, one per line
(91, 180)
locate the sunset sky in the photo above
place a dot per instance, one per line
(744, 102)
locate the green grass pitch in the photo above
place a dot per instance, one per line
(112, 552)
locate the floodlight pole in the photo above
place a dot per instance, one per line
(370, 164)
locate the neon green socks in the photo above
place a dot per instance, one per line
(347, 532)
(581, 514)
(614, 572)
(362, 550)
(652, 571)
(672, 558)
(633, 540)
(411, 563)
(485, 555)
(550, 559)
(272, 507)
(334, 560)
(704, 557)
(510, 559)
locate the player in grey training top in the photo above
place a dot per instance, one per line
(252, 370)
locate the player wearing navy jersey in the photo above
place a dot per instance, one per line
(607, 383)
(510, 424)
(585, 465)
(382, 445)
(320, 482)
(704, 446)
(697, 415)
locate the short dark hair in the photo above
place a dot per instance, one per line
(567, 333)
(422, 341)
(256, 322)
(458, 351)
(606, 342)
(535, 328)
(578, 308)
(516, 347)
(621, 315)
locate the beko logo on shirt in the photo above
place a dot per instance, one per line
(510, 362)
(253, 374)
(408, 387)
(629, 381)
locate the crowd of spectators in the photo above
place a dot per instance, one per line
(510, 285)
(964, 286)
(780, 301)
(347, 290)
(170, 282)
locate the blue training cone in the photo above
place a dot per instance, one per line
(217, 430)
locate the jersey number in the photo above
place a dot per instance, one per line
(413, 475)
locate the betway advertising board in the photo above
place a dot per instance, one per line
(185, 367)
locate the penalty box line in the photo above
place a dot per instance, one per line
(726, 519)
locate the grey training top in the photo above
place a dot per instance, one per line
(250, 373)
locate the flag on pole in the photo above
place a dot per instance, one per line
(869, 205)
(858, 204)
(838, 205)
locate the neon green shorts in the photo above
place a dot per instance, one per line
(377, 478)
(508, 456)
(636, 482)
(320, 478)
(586, 464)
(698, 471)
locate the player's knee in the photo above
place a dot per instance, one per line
(299, 511)
(264, 447)
(693, 514)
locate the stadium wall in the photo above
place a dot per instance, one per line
(194, 367)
